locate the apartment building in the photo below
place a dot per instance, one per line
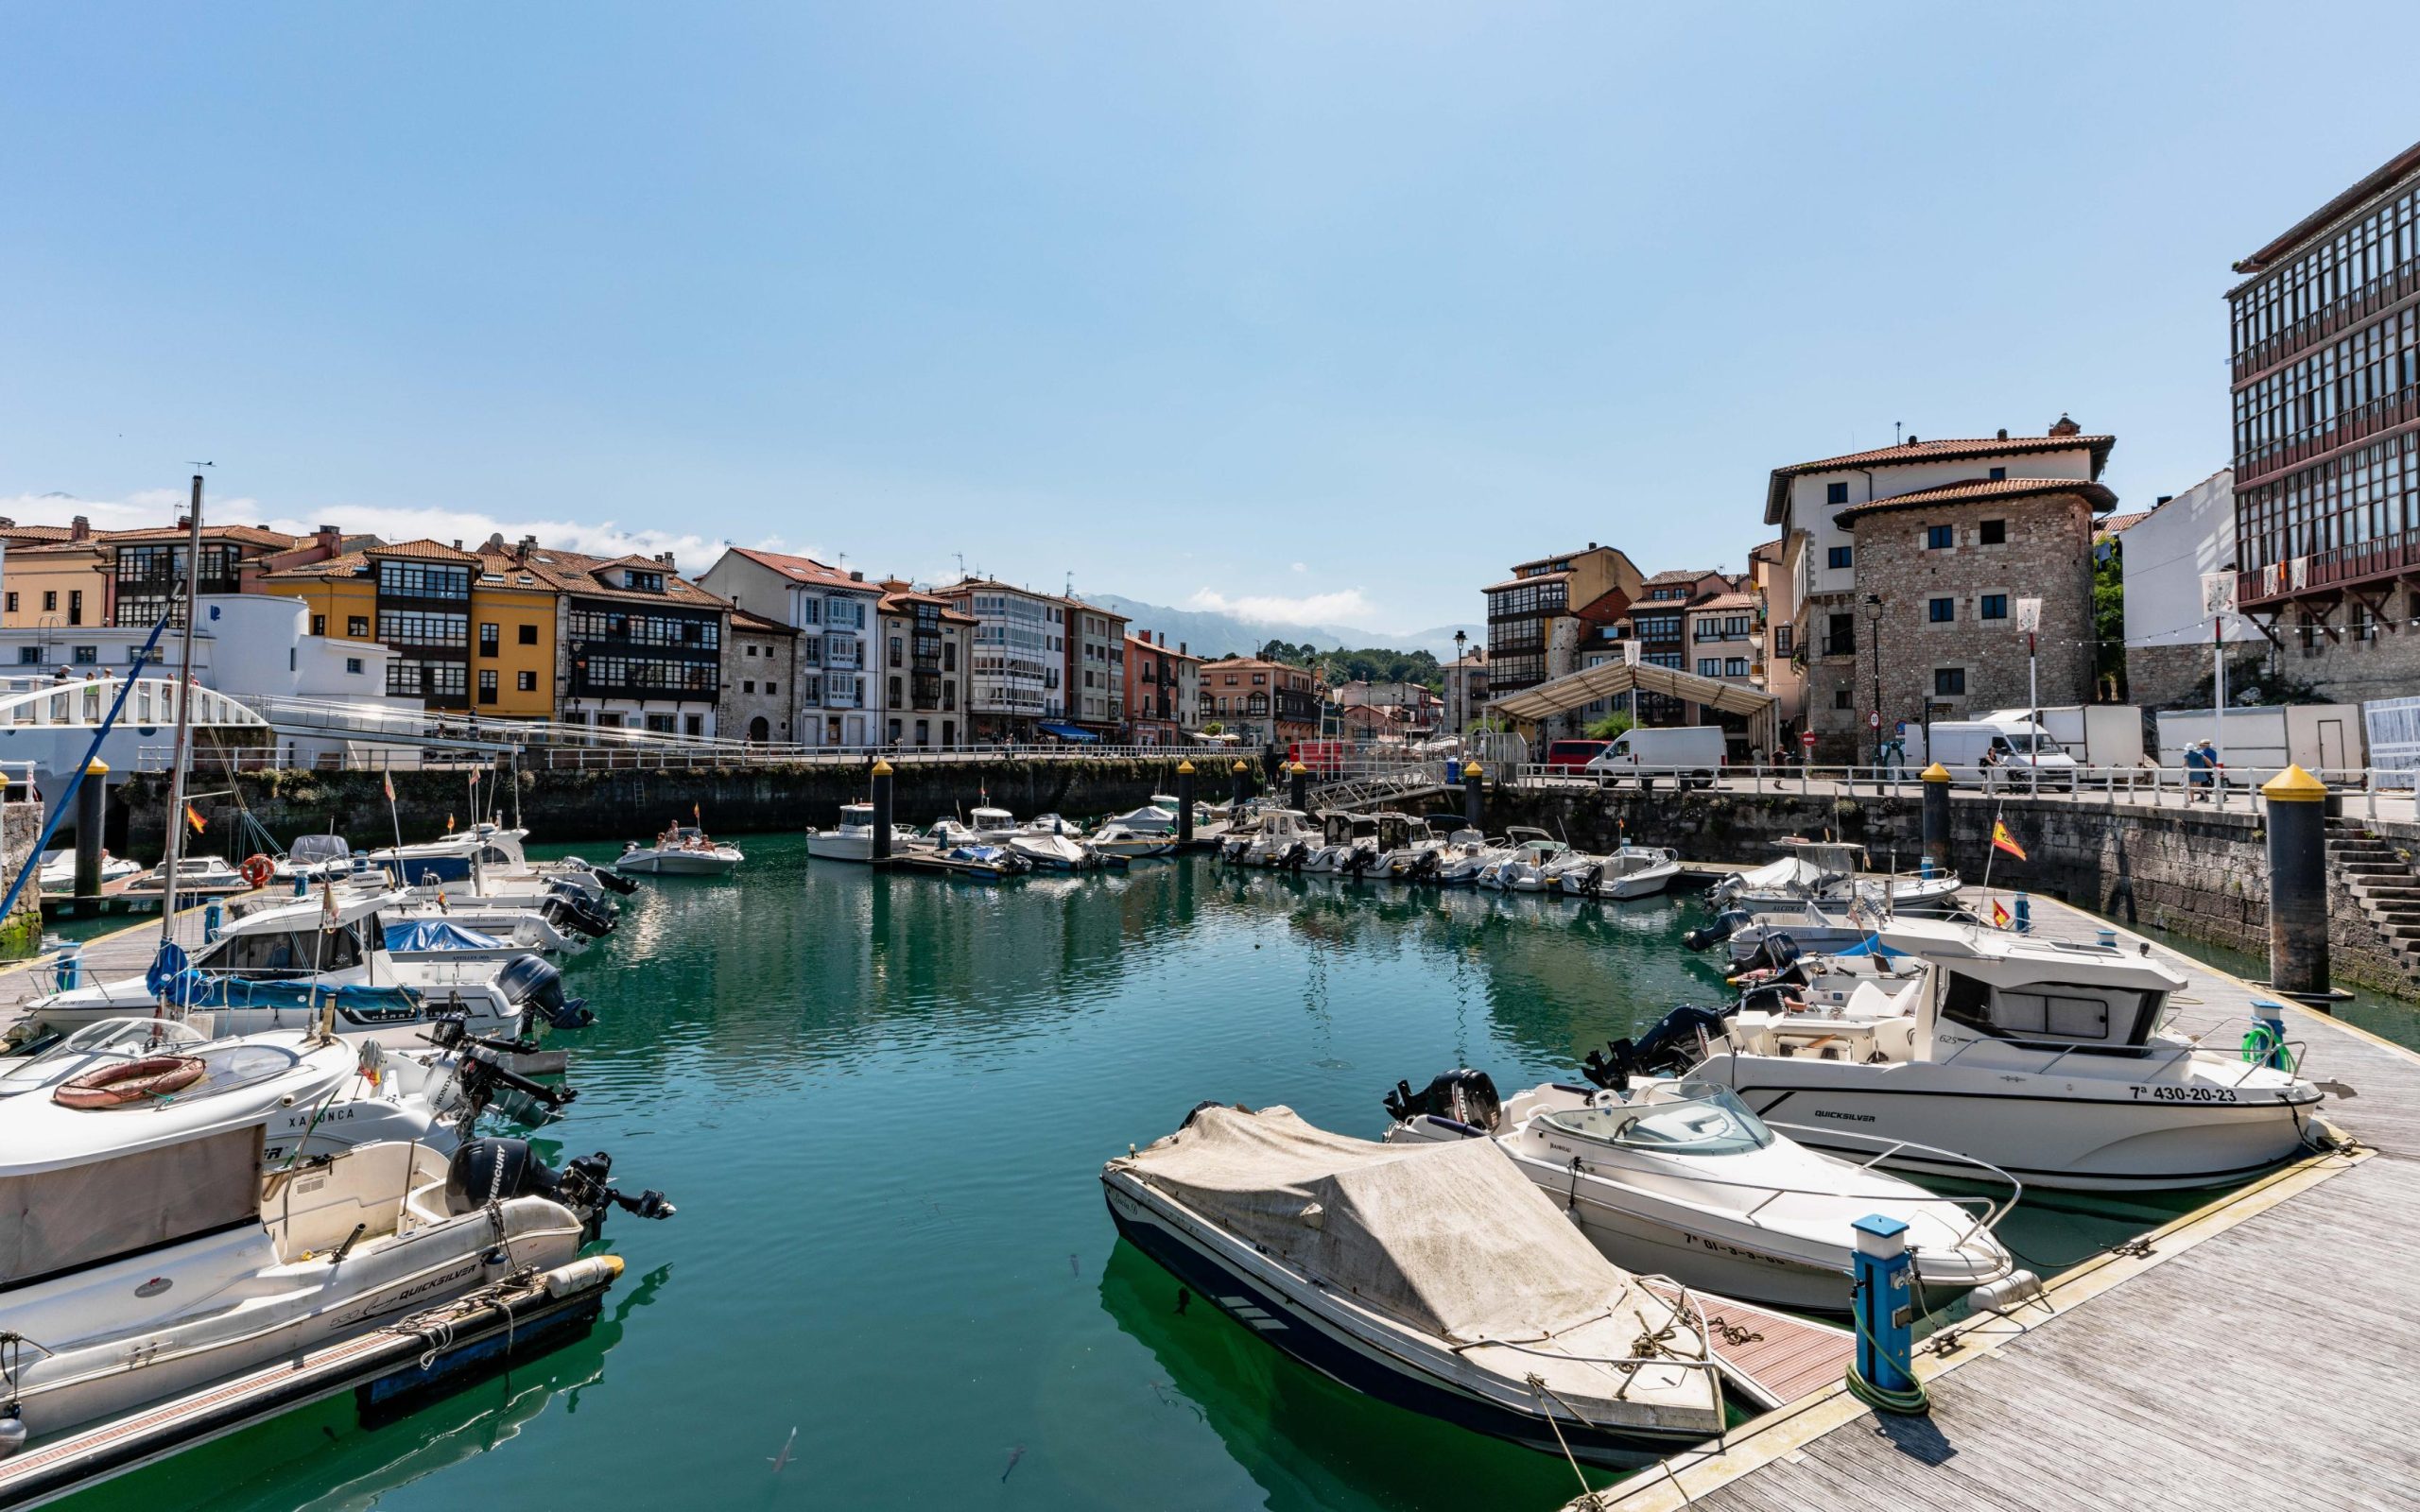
(2166, 555)
(641, 646)
(413, 596)
(58, 576)
(1267, 703)
(1913, 565)
(1466, 687)
(1535, 618)
(925, 681)
(147, 568)
(1163, 690)
(759, 680)
(1776, 668)
(2325, 341)
(1020, 656)
(834, 612)
(1095, 668)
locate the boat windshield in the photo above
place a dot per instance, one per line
(1687, 1118)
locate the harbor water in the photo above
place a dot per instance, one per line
(882, 1103)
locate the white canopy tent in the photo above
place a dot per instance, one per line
(1562, 694)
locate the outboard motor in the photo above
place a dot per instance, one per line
(1670, 1047)
(1463, 1096)
(532, 984)
(1359, 860)
(1425, 866)
(570, 909)
(609, 880)
(485, 1171)
(1592, 885)
(1611, 1066)
(1774, 952)
(1295, 855)
(1726, 924)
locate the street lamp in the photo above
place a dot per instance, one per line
(1461, 685)
(1874, 616)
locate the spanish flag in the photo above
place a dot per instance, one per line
(386, 781)
(2001, 840)
(194, 818)
(1999, 915)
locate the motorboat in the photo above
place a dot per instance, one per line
(314, 858)
(1833, 872)
(488, 860)
(985, 863)
(1680, 1179)
(852, 839)
(1630, 871)
(58, 872)
(1348, 846)
(168, 1252)
(558, 922)
(1433, 1277)
(1780, 977)
(1525, 863)
(196, 873)
(2048, 1058)
(1282, 840)
(1158, 816)
(1804, 924)
(1408, 849)
(1118, 838)
(1050, 843)
(680, 851)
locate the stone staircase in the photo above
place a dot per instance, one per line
(2384, 882)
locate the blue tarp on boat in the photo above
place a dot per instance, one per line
(1871, 945)
(172, 977)
(436, 935)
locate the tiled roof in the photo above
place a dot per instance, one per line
(1095, 608)
(241, 535)
(30, 534)
(496, 563)
(589, 576)
(1777, 491)
(93, 546)
(807, 569)
(759, 625)
(423, 550)
(1681, 575)
(1563, 556)
(1534, 577)
(1981, 491)
(897, 599)
(350, 564)
(1769, 551)
(2118, 522)
(1726, 601)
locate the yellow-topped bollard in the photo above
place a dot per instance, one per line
(881, 767)
(1935, 855)
(1184, 804)
(2297, 884)
(1238, 785)
(882, 805)
(1184, 768)
(1936, 773)
(1473, 799)
(92, 812)
(1298, 789)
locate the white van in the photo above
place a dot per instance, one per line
(1690, 754)
(2023, 752)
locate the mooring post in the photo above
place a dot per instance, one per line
(213, 918)
(1473, 798)
(2297, 882)
(881, 811)
(1184, 804)
(1298, 789)
(1936, 859)
(1240, 788)
(92, 798)
(1885, 1316)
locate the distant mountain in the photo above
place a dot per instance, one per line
(1208, 632)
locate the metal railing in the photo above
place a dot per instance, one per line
(368, 754)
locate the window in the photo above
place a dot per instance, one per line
(1836, 493)
(353, 665)
(1735, 666)
(487, 685)
(525, 682)
(1992, 533)
(75, 605)
(898, 650)
(319, 625)
(1940, 538)
(644, 582)
(423, 579)
(1709, 666)
(694, 724)
(1949, 682)
(1941, 610)
(1783, 636)
(527, 635)
(1838, 557)
(84, 656)
(1839, 698)
(949, 656)
(30, 656)
(412, 627)
(659, 724)
(490, 638)
(748, 685)
(50, 601)
(1839, 636)
(357, 627)
(1992, 607)
(2000, 474)
(13, 603)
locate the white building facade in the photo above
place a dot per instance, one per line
(835, 613)
(1020, 656)
(2166, 556)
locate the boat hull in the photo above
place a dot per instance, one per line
(1302, 1334)
(664, 863)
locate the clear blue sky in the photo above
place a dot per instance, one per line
(1259, 303)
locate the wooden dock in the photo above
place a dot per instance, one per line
(2257, 1352)
(122, 952)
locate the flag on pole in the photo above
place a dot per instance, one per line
(696, 814)
(386, 781)
(194, 817)
(449, 824)
(2001, 840)
(1999, 915)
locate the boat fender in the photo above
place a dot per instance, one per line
(2015, 1289)
(1454, 1126)
(12, 1431)
(582, 1275)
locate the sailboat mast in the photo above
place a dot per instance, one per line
(181, 752)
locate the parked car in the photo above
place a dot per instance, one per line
(2023, 751)
(1691, 755)
(1570, 757)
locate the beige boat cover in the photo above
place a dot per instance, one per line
(1449, 1238)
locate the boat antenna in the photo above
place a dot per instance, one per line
(182, 748)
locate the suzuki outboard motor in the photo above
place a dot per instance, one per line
(1465, 1096)
(1726, 924)
(532, 984)
(485, 1171)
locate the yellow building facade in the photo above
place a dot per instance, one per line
(48, 586)
(501, 640)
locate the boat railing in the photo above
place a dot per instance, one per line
(1993, 1211)
(2156, 1057)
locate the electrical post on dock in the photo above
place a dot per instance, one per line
(2297, 884)
(881, 810)
(1936, 855)
(1473, 798)
(1297, 785)
(1184, 803)
(1239, 787)
(91, 801)
(1884, 1375)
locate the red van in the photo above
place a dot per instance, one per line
(1325, 757)
(1572, 757)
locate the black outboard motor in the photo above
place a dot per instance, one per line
(1611, 1066)
(1359, 860)
(1774, 952)
(485, 1171)
(1296, 854)
(532, 984)
(1726, 924)
(1425, 866)
(1592, 882)
(1670, 1047)
(610, 880)
(1462, 1097)
(567, 907)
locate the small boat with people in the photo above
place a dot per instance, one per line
(1433, 1277)
(680, 851)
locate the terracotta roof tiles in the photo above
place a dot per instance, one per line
(1981, 491)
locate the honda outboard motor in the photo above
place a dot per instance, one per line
(532, 984)
(1726, 924)
(1465, 1096)
(485, 1171)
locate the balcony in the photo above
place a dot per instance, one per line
(2349, 427)
(2386, 289)
(1839, 645)
(2388, 555)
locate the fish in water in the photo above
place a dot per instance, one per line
(784, 1457)
(1015, 1454)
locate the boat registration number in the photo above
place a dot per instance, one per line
(2185, 1095)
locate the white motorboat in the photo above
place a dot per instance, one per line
(1408, 849)
(1158, 816)
(1284, 839)
(1348, 846)
(206, 874)
(1679, 1179)
(1431, 1277)
(1118, 838)
(1630, 872)
(1795, 926)
(852, 839)
(314, 858)
(1522, 864)
(680, 851)
(1832, 872)
(59, 870)
(168, 1253)
(2045, 1059)
(1050, 843)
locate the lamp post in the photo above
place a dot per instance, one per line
(1462, 686)
(1874, 618)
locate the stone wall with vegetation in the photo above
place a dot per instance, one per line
(20, 932)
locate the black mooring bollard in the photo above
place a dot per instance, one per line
(2297, 884)
(1298, 792)
(1472, 797)
(882, 811)
(1184, 804)
(1241, 793)
(91, 799)
(1936, 850)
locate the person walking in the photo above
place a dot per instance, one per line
(2198, 762)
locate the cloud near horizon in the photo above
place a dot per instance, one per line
(1346, 605)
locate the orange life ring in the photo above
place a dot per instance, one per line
(257, 870)
(132, 1081)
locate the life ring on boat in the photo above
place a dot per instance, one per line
(257, 870)
(128, 1082)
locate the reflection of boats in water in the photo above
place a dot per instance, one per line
(1308, 1443)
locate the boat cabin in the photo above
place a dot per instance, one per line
(1988, 984)
(292, 937)
(856, 816)
(1339, 828)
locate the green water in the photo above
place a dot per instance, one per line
(882, 1103)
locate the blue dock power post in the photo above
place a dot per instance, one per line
(2023, 922)
(2267, 1041)
(213, 918)
(1884, 1374)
